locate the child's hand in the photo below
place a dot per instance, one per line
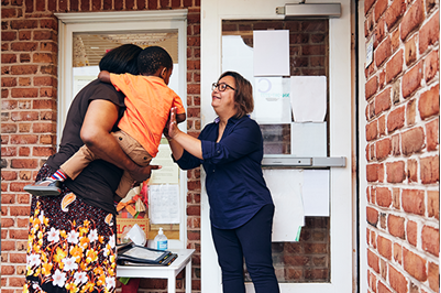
(104, 76)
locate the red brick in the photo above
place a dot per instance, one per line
(396, 145)
(371, 87)
(383, 101)
(431, 65)
(380, 7)
(8, 36)
(43, 151)
(24, 163)
(398, 253)
(9, 81)
(45, 35)
(379, 33)
(395, 172)
(24, 139)
(395, 40)
(373, 261)
(9, 58)
(412, 19)
(383, 149)
(411, 112)
(429, 170)
(394, 13)
(374, 172)
(382, 288)
(23, 24)
(394, 66)
(410, 51)
(384, 196)
(430, 239)
(412, 80)
(429, 33)
(368, 5)
(413, 201)
(414, 265)
(9, 175)
(372, 216)
(24, 69)
(412, 141)
(384, 247)
(371, 131)
(24, 92)
(433, 203)
(395, 225)
(412, 171)
(429, 103)
(24, 116)
(412, 232)
(433, 276)
(44, 58)
(382, 125)
(395, 119)
(397, 280)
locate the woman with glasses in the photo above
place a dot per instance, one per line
(241, 207)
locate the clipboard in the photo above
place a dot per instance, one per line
(132, 254)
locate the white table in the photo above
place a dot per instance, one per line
(162, 272)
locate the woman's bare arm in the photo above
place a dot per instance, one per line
(95, 133)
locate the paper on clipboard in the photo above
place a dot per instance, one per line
(168, 174)
(271, 53)
(286, 190)
(308, 98)
(164, 204)
(271, 99)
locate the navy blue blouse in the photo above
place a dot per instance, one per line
(235, 185)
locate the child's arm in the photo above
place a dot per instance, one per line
(104, 76)
(181, 117)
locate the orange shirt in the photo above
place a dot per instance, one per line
(148, 102)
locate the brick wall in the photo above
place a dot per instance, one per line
(29, 113)
(402, 153)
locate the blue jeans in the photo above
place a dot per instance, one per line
(252, 241)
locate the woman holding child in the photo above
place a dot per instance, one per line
(241, 208)
(71, 244)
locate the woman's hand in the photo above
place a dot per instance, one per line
(171, 129)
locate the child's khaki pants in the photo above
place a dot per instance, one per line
(82, 158)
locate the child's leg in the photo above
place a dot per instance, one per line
(76, 164)
(72, 168)
(137, 153)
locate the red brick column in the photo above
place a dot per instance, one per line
(29, 113)
(402, 153)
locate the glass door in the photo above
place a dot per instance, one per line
(321, 261)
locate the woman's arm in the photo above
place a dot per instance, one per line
(181, 140)
(95, 133)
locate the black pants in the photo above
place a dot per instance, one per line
(252, 241)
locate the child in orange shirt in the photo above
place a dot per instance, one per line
(148, 102)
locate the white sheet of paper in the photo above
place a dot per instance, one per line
(308, 139)
(164, 204)
(286, 190)
(316, 192)
(271, 53)
(308, 98)
(168, 174)
(237, 56)
(271, 99)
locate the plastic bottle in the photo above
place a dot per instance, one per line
(161, 242)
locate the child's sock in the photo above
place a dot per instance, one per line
(59, 176)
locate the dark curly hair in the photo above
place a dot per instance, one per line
(122, 59)
(152, 58)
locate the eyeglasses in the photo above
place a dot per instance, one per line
(221, 87)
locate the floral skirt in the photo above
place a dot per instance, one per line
(71, 245)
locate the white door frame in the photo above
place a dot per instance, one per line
(123, 21)
(340, 127)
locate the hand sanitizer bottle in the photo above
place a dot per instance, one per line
(161, 242)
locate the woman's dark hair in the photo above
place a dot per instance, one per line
(152, 58)
(243, 96)
(122, 59)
